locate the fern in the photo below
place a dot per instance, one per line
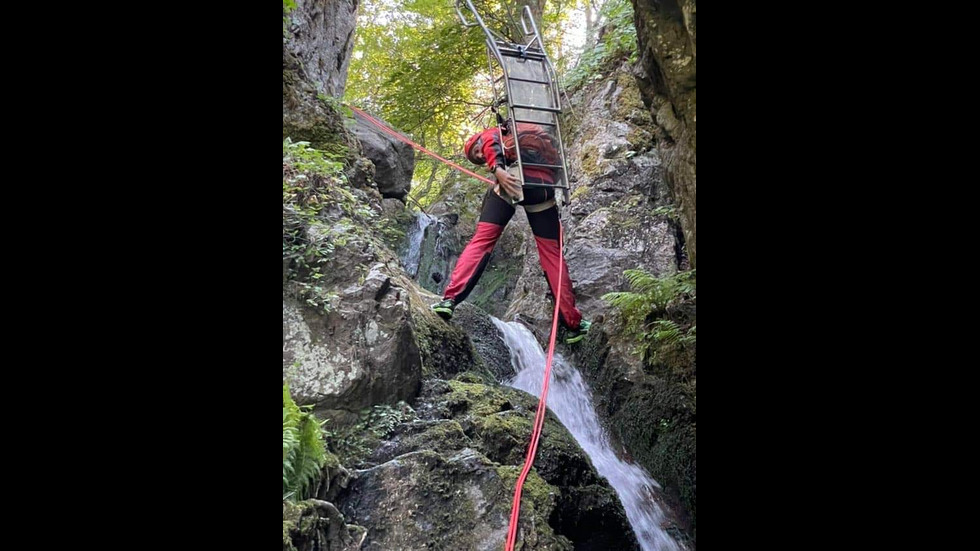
(666, 332)
(691, 338)
(289, 440)
(303, 452)
(645, 312)
(661, 292)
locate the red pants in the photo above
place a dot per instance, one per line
(495, 215)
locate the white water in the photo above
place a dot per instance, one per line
(571, 400)
(416, 234)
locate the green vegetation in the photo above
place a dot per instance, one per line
(303, 452)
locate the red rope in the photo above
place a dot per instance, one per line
(394, 134)
(542, 407)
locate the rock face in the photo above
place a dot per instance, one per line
(667, 37)
(375, 341)
(425, 500)
(369, 337)
(320, 34)
(487, 341)
(356, 331)
(363, 352)
(394, 160)
(317, 525)
(443, 479)
(305, 115)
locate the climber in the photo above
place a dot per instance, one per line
(488, 147)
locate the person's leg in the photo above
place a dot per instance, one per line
(545, 226)
(493, 217)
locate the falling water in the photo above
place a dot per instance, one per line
(571, 400)
(416, 234)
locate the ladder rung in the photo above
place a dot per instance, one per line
(510, 52)
(519, 56)
(533, 108)
(512, 43)
(548, 82)
(542, 166)
(513, 46)
(535, 122)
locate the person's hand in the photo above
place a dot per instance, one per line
(508, 182)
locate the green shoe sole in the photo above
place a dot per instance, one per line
(445, 313)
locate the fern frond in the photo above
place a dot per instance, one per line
(651, 297)
(641, 280)
(303, 450)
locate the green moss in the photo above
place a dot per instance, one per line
(295, 523)
(622, 215)
(629, 105)
(307, 117)
(580, 192)
(445, 350)
(447, 431)
(355, 440)
(394, 228)
(536, 492)
(476, 399)
(331, 461)
(511, 423)
(570, 126)
(474, 377)
(447, 436)
(591, 161)
(290, 516)
(504, 436)
(640, 140)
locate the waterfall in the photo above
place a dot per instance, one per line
(570, 399)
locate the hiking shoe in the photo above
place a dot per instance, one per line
(445, 308)
(574, 336)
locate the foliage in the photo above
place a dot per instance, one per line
(414, 65)
(313, 183)
(287, 7)
(617, 40)
(418, 68)
(646, 314)
(303, 451)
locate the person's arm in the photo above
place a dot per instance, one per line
(494, 154)
(492, 150)
(510, 183)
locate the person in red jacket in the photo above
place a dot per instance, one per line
(488, 147)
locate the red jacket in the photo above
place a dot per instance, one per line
(493, 153)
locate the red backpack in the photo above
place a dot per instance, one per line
(537, 145)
